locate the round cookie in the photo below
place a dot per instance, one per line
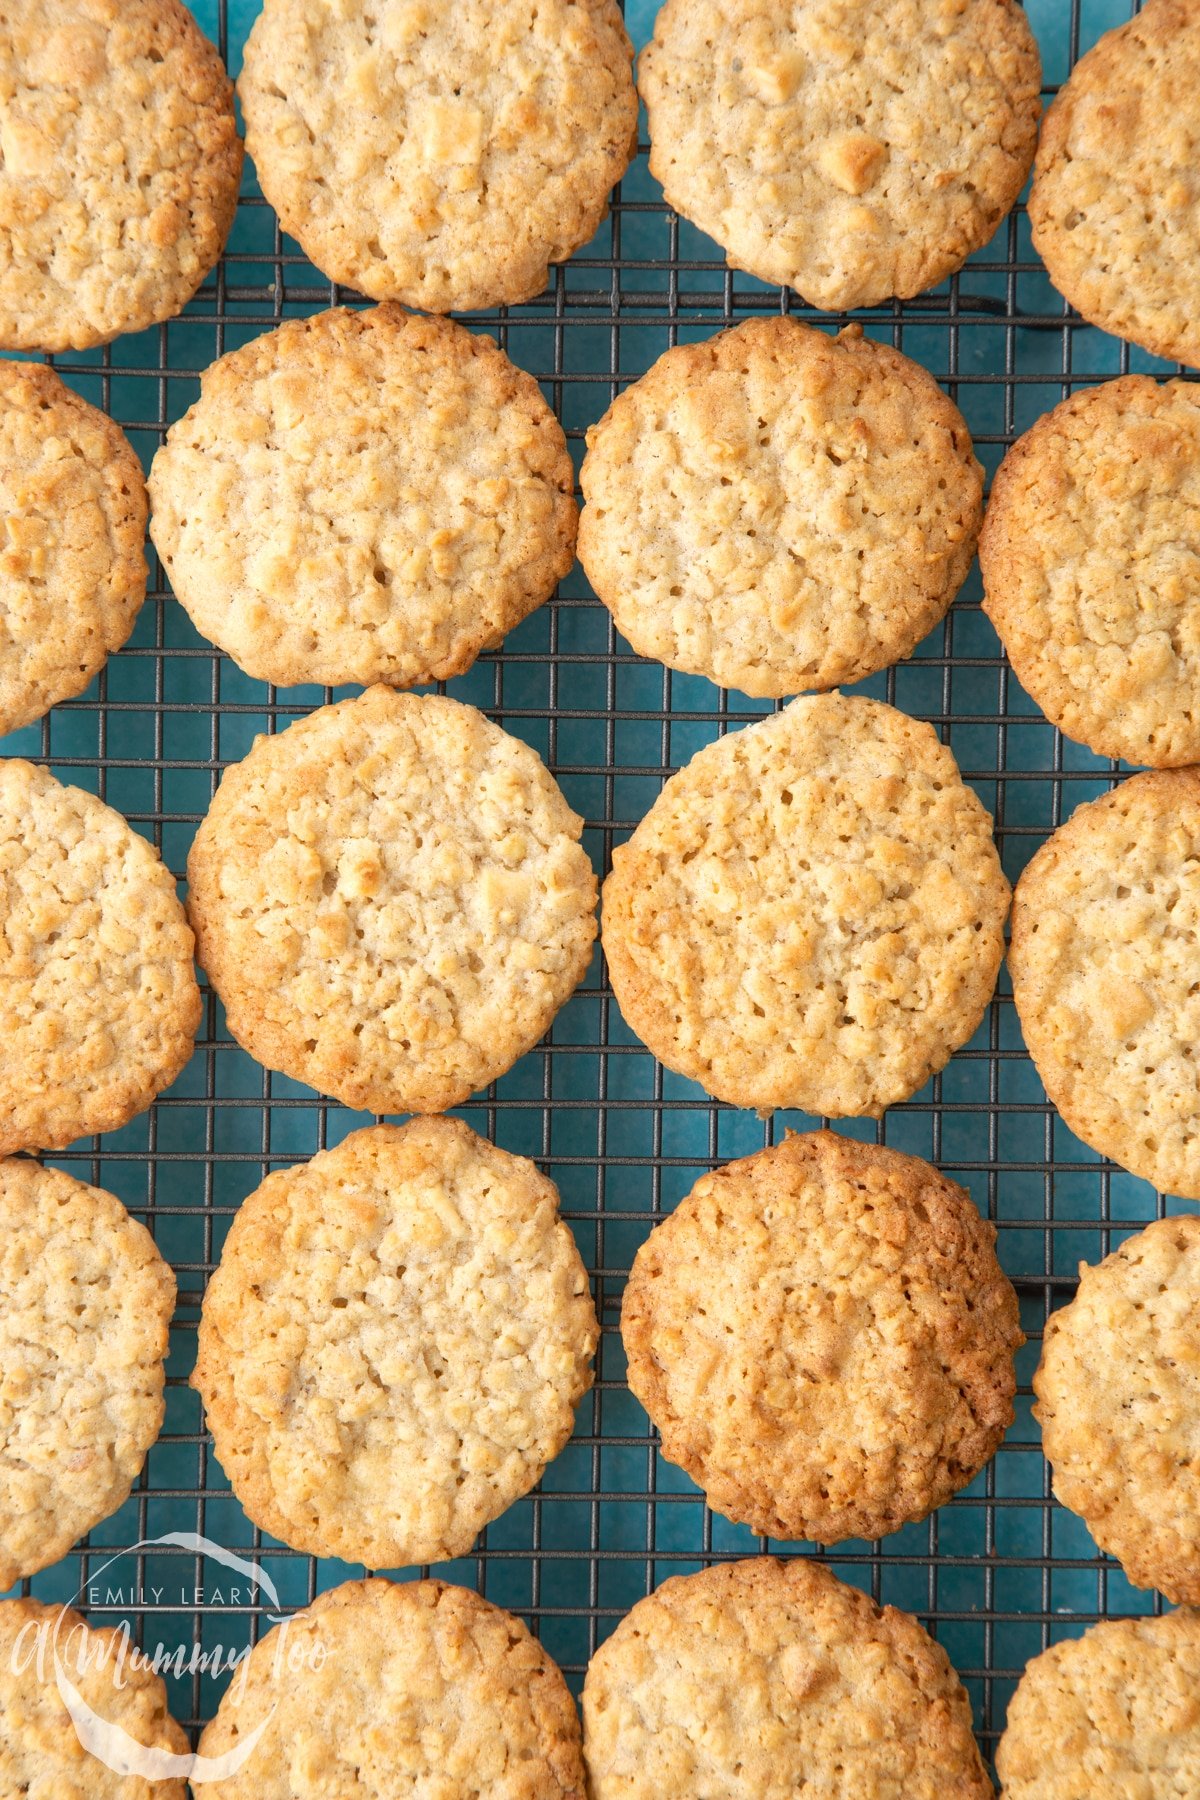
(497, 130)
(40, 1749)
(363, 496)
(761, 1680)
(98, 998)
(824, 1339)
(437, 1264)
(812, 912)
(1118, 1395)
(74, 505)
(849, 152)
(1115, 202)
(779, 509)
(85, 1307)
(415, 1689)
(392, 901)
(1107, 1716)
(120, 169)
(1103, 962)
(1091, 567)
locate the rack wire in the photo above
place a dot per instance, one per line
(1000, 1571)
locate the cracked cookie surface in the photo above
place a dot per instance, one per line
(1106, 919)
(824, 1338)
(98, 997)
(779, 509)
(760, 1680)
(811, 914)
(419, 1689)
(1091, 567)
(1118, 1396)
(1116, 186)
(392, 900)
(85, 1306)
(394, 1344)
(103, 229)
(363, 496)
(440, 155)
(850, 149)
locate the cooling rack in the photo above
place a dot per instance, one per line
(1000, 1571)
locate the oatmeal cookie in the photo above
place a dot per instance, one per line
(811, 914)
(824, 1338)
(394, 1344)
(779, 509)
(1118, 1397)
(1115, 203)
(392, 901)
(119, 169)
(1091, 568)
(98, 998)
(762, 1680)
(363, 496)
(440, 155)
(73, 501)
(415, 1689)
(1106, 919)
(850, 149)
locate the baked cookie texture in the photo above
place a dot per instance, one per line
(364, 496)
(40, 1750)
(761, 1680)
(1115, 202)
(440, 155)
(1108, 1715)
(850, 149)
(98, 998)
(824, 1338)
(392, 900)
(73, 570)
(1118, 1388)
(779, 509)
(423, 1689)
(104, 231)
(812, 912)
(394, 1344)
(1103, 964)
(1091, 567)
(85, 1307)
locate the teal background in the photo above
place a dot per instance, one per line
(1001, 1570)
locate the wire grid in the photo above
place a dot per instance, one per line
(1000, 1571)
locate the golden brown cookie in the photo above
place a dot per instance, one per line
(98, 998)
(394, 1344)
(392, 901)
(1115, 203)
(1118, 1390)
(1091, 567)
(1109, 1715)
(364, 496)
(763, 1680)
(41, 1752)
(812, 912)
(73, 500)
(438, 154)
(824, 1338)
(120, 168)
(779, 509)
(1106, 920)
(414, 1689)
(85, 1307)
(851, 151)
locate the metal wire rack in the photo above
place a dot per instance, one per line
(1000, 1571)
